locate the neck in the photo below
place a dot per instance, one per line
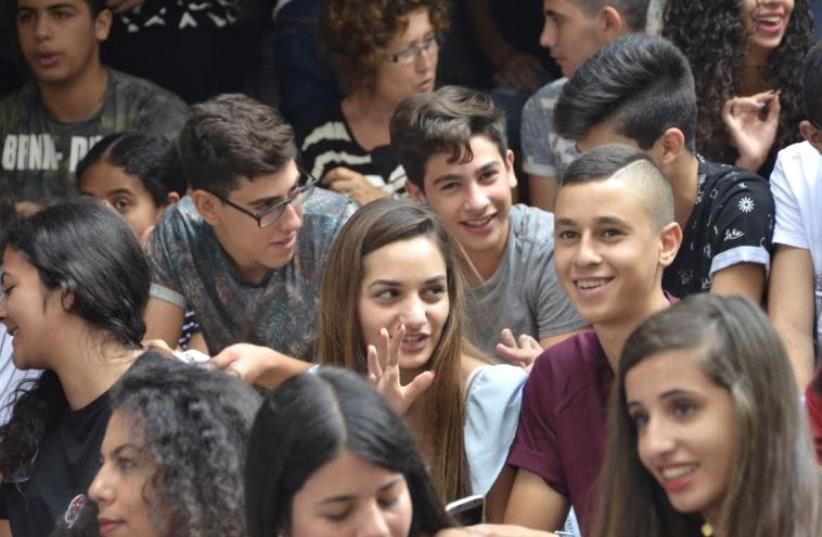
(89, 366)
(684, 176)
(486, 262)
(754, 62)
(76, 99)
(612, 335)
(369, 107)
(252, 272)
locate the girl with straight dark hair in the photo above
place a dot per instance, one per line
(706, 431)
(75, 284)
(328, 456)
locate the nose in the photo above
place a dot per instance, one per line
(587, 252)
(42, 29)
(413, 315)
(655, 440)
(291, 219)
(100, 491)
(2, 307)
(426, 60)
(548, 37)
(372, 523)
(476, 200)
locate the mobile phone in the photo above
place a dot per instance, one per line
(468, 511)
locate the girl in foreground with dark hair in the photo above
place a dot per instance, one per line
(706, 433)
(75, 285)
(328, 457)
(746, 56)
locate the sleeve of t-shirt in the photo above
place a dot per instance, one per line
(788, 228)
(492, 405)
(160, 250)
(164, 115)
(536, 447)
(742, 229)
(537, 118)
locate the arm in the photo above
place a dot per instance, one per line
(534, 504)
(259, 365)
(5, 529)
(746, 279)
(790, 307)
(164, 320)
(543, 191)
(497, 498)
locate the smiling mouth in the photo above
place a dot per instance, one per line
(591, 283)
(677, 472)
(478, 222)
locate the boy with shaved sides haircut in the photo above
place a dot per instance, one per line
(574, 31)
(615, 233)
(453, 147)
(639, 91)
(48, 125)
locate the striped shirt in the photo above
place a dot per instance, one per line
(328, 143)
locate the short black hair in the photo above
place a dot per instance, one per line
(233, 136)
(643, 83)
(444, 120)
(96, 6)
(635, 12)
(151, 159)
(812, 85)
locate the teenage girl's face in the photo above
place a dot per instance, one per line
(413, 73)
(123, 484)
(125, 193)
(29, 312)
(351, 497)
(765, 22)
(405, 282)
(686, 430)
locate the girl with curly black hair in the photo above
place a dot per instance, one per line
(75, 284)
(173, 453)
(745, 56)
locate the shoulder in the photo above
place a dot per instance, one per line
(533, 226)
(17, 104)
(327, 205)
(145, 93)
(798, 163)
(180, 225)
(542, 103)
(723, 184)
(325, 123)
(575, 357)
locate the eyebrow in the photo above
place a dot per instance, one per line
(668, 394)
(119, 449)
(487, 167)
(396, 283)
(120, 191)
(447, 177)
(340, 499)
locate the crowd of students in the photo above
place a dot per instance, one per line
(217, 324)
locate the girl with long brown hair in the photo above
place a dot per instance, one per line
(706, 432)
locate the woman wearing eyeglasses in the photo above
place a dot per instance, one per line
(384, 51)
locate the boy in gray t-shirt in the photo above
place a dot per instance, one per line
(247, 249)
(452, 145)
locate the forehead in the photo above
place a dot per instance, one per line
(668, 370)
(418, 24)
(264, 186)
(612, 197)
(46, 4)
(483, 151)
(103, 177)
(415, 258)
(563, 7)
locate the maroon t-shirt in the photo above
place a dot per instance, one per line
(561, 431)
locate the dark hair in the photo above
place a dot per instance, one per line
(233, 136)
(641, 83)
(151, 159)
(635, 12)
(444, 121)
(775, 486)
(812, 85)
(194, 424)
(305, 424)
(356, 32)
(91, 253)
(712, 37)
(96, 6)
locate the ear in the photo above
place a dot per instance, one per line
(102, 25)
(414, 191)
(66, 299)
(811, 134)
(611, 23)
(509, 168)
(207, 205)
(668, 147)
(172, 198)
(670, 238)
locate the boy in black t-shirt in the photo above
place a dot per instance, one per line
(639, 91)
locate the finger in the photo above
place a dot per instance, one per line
(384, 349)
(529, 342)
(157, 344)
(509, 354)
(374, 369)
(774, 108)
(394, 348)
(421, 382)
(507, 338)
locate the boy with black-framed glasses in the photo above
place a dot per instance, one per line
(246, 249)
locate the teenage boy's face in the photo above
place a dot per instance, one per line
(59, 38)
(570, 34)
(473, 199)
(254, 248)
(606, 250)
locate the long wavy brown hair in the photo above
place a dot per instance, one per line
(775, 486)
(340, 342)
(712, 37)
(356, 32)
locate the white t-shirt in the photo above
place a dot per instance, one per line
(796, 184)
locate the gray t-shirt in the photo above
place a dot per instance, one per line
(39, 153)
(544, 152)
(190, 269)
(524, 293)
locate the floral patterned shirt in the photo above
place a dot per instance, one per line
(732, 222)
